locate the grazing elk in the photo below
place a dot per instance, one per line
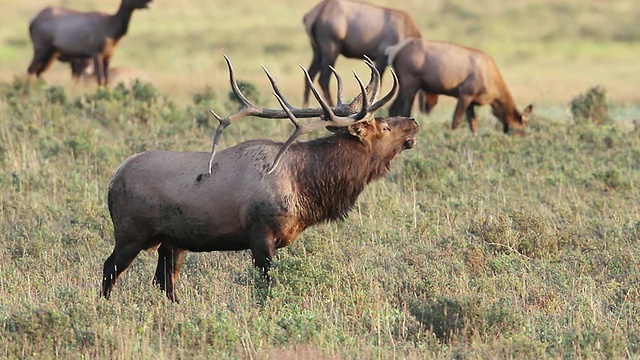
(159, 200)
(72, 34)
(449, 69)
(355, 30)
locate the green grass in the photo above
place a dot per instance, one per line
(487, 247)
(492, 246)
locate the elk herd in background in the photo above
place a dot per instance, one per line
(425, 68)
(260, 194)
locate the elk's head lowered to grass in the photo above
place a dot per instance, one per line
(449, 69)
(263, 193)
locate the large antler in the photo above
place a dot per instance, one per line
(340, 115)
(329, 118)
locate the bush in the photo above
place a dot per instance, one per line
(591, 106)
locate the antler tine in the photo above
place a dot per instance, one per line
(247, 109)
(373, 87)
(329, 115)
(250, 109)
(339, 100)
(276, 90)
(247, 106)
(300, 130)
(364, 110)
(375, 75)
(222, 124)
(390, 95)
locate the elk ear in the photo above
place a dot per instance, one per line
(526, 113)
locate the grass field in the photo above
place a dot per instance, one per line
(485, 247)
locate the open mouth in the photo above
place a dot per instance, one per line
(410, 142)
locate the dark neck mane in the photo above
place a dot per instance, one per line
(331, 173)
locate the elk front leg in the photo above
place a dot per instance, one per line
(263, 250)
(462, 105)
(97, 65)
(169, 264)
(105, 69)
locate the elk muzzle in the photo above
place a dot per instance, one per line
(411, 141)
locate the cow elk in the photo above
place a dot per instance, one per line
(444, 68)
(72, 34)
(263, 194)
(355, 30)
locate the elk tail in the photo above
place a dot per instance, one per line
(309, 21)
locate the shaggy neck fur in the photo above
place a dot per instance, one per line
(331, 173)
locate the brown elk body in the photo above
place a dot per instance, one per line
(72, 34)
(355, 30)
(160, 199)
(444, 68)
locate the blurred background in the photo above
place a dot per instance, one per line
(548, 51)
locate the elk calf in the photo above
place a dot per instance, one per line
(449, 69)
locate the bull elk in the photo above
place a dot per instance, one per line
(444, 68)
(355, 30)
(72, 34)
(157, 200)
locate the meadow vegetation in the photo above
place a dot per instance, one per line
(485, 247)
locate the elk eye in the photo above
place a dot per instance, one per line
(386, 128)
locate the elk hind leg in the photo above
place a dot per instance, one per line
(427, 101)
(404, 100)
(472, 119)
(170, 261)
(314, 68)
(116, 263)
(330, 52)
(42, 59)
